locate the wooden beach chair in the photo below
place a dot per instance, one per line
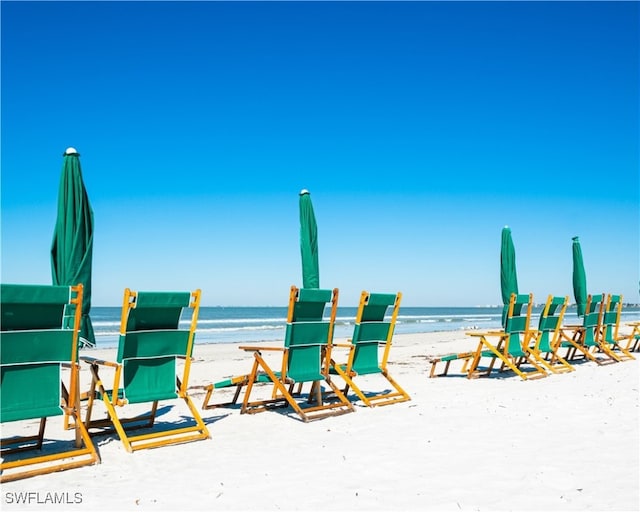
(372, 332)
(306, 357)
(611, 337)
(40, 373)
(547, 342)
(511, 346)
(447, 359)
(583, 341)
(145, 371)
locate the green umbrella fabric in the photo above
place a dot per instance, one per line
(308, 242)
(508, 274)
(579, 277)
(72, 247)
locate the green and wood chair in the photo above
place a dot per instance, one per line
(545, 345)
(40, 378)
(611, 337)
(306, 357)
(372, 332)
(583, 341)
(146, 370)
(511, 346)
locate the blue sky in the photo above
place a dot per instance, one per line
(420, 128)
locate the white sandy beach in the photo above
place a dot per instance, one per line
(566, 442)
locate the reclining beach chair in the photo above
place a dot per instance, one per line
(610, 329)
(146, 370)
(547, 342)
(371, 332)
(35, 345)
(511, 346)
(583, 341)
(306, 357)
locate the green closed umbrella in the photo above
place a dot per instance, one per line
(508, 274)
(72, 248)
(308, 242)
(579, 277)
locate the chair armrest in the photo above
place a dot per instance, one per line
(258, 349)
(95, 360)
(480, 334)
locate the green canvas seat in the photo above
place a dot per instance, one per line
(145, 370)
(611, 338)
(305, 360)
(547, 342)
(583, 341)
(511, 346)
(372, 332)
(39, 377)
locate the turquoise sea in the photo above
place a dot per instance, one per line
(249, 324)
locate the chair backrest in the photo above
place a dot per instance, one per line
(517, 322)
(372, 328)
(592, 321)
(611, 318)
(34, 343)
(308, 330)
(550, 323)
(151, 339)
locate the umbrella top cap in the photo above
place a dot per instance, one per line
(304, 191)
(71, 151)
(575, 238)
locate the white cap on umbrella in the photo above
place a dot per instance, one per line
(304, 191)
(71, 151)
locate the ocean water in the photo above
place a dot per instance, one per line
(250, 324)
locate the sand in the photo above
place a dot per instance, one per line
(566, 442)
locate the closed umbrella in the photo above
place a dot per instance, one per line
(508, 274)
(72, 247)
(579, 277)
(308, 242)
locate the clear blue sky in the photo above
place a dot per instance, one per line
(420, 128)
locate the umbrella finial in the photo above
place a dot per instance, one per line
(574, 238)
(71, 151)
(304, 191)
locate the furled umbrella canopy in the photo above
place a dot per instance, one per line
(579, 277)
(308, 242)
(72, 248)
(508, 274)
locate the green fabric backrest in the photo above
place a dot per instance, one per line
(311, 304)
(306, 334)
(548, 323)
(149, 348)
(611, 317)
(516, 325)
(592, 321)
(33, 344)
(29, 391)
(26, 307)
(157, 310)
(305, 363)
(377, 306)
(149, 379)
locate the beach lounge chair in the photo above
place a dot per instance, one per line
(306, 356)
(146, 370)
(547, 342)
(372, 331)
(39, 366)
(447, 359)
(583, 341)
(611, 337)
(511, 346)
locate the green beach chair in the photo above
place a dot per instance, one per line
(372, 331)
(306, 357)
(583, 341)
(547, 341)
(39, 378)
(511, 347)
(610, 329)
(146, 370)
